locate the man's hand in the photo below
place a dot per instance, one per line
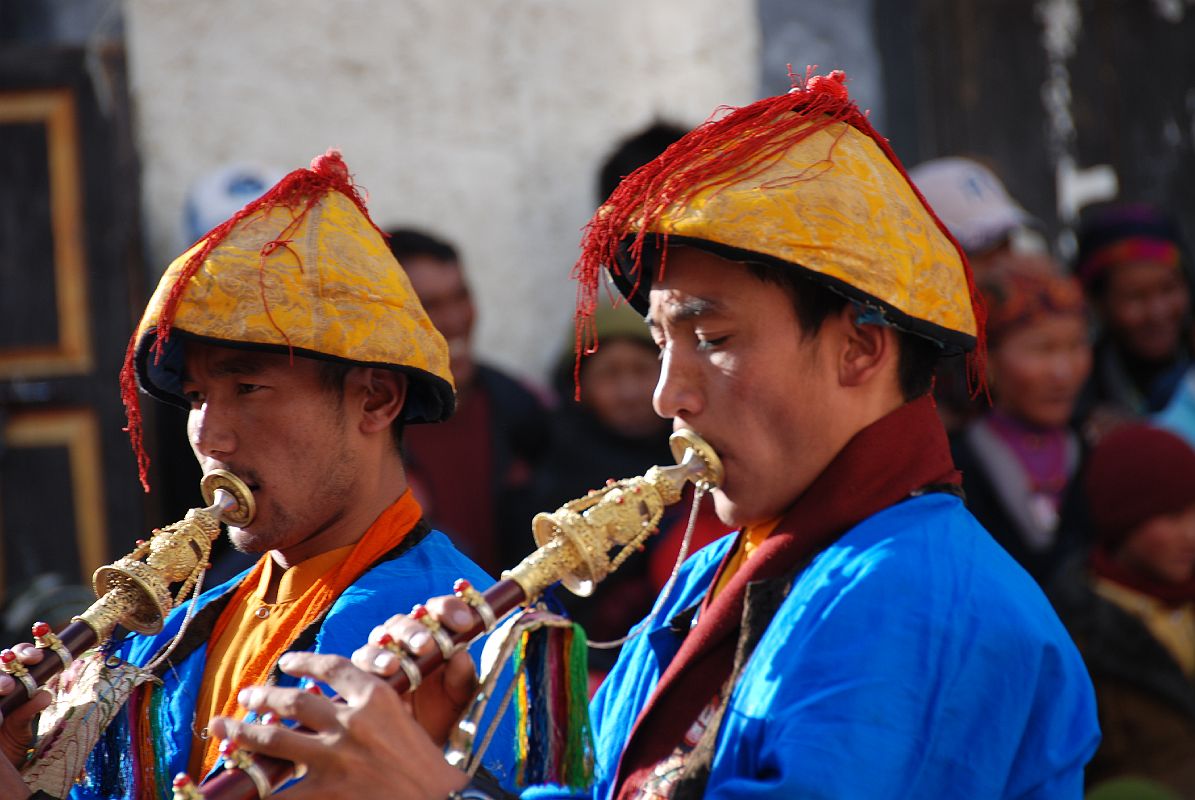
(16, 732)
(370, 746)
(11, 785)
(443, 696)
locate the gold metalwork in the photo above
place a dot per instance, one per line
(135, 590)
(586, 539)
(20, 673)
(405, 663)
(580, 543)
(239, 513)
(443, 641)
(478, 602)
(238, 758)
(185, 788)
(411, 670)
(50, 641)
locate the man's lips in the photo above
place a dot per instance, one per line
(247, 476)
(724, 455)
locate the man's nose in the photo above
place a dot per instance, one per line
(678, 391)
(458, 317)
(1067, 366)
(1161, 309)
(212, 433)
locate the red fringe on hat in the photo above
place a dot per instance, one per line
(732, 146)
(299, 191)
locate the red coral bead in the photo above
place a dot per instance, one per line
(833, 84)
(384, 640)
(461, 585)
(40, 629)
(419, 611)
(330, 165)
(7, 656)
(227, 748)
(182, 779)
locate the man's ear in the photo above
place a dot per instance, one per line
(868, 349)
(382, 399)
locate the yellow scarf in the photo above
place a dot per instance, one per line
(387, 531)
(749, 541)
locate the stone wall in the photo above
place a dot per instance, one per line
(483, 121)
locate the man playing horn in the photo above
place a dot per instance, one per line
(861, 635)
(297, 343)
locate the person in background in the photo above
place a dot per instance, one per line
(1131, 606)
(620, 432)
(611, 432)
(990, 226)
(1130, 261)
(1020, 459)
(977, 210)
(1131, 789)
(633, 153)
(472, 472)
(1179, 415)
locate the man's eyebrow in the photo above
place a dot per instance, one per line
(241, 364)
(687, 310)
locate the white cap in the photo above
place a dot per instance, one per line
(970, 200)
(219, 194)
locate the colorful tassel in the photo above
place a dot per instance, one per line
(555, 744)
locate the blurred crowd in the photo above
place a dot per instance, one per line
(1081, 465)
(1075, 443)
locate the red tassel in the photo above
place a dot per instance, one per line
(299, 191)
(732, 146)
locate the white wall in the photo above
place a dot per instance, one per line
(485, 121)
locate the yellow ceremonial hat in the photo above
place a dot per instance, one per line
(303, 269)
(801, 180)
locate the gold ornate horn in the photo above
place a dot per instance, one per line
(581, 543)
(134, 591)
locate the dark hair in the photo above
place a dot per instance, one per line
(814, 303)
(331, 377)
(1103, 226)
(408, 243)
(633, 153)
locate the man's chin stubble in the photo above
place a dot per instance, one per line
(248, 543)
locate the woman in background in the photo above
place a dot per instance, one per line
(1020, 459)
(1130, 262)
(612, 431)
(1131, 606)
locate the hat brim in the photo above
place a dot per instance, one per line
(635, 285)
(429, 397)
